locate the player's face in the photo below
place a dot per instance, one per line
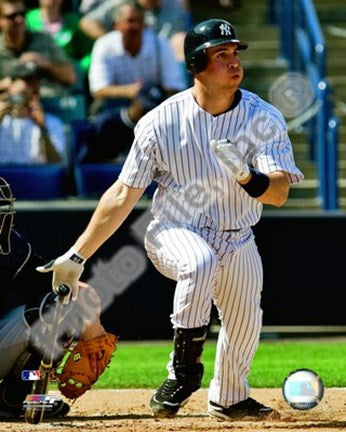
(224, 65)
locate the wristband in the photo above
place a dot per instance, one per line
(76, 257)
(258, 184)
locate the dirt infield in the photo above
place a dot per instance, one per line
(127, 411)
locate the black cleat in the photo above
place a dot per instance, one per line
(248, 408)
(174, 394)
(169, 398)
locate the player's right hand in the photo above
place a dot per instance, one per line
(67, 270)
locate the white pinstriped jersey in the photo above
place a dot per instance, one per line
(172, 147)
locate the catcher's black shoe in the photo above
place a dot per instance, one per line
(60, 409)
(248, 408)
(174, 394)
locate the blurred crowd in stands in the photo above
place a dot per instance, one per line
(104, 63)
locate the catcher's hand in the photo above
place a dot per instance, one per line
(66, 271)
(83, 363)
(231, 158)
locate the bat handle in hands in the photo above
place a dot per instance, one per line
(63, 290)
(230, 156)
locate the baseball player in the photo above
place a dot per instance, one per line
(26, 316)
(218, 153)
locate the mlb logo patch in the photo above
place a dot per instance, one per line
(31, 375)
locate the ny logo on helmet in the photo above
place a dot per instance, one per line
(225, 29)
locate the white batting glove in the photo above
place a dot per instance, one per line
(231, 158)
(66, 271)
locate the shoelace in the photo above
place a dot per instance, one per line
(170, 387)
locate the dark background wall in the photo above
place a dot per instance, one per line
(303, 257)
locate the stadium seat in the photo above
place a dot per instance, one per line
(92, 179)
(36, 182)
(68, 108)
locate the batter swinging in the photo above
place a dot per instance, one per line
(218, 153)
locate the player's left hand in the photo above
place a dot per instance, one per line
(231, 158)
(66, 271)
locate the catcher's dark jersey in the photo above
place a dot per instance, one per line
(20, 283)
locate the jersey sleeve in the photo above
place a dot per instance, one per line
(277, 154)
(141, 163)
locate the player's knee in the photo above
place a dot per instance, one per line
(203, 267)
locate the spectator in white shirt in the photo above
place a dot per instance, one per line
(28, 135)
(130, 56)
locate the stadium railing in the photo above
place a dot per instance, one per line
(303, 45)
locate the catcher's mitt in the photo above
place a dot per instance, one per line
(83, 363)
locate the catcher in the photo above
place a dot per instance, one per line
(84, 348)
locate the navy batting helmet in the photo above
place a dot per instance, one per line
(206, 34)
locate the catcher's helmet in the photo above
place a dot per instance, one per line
(204, 35)
(6, 216)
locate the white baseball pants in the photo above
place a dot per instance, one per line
(223, 267)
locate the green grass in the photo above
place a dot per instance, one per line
(142, 365)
